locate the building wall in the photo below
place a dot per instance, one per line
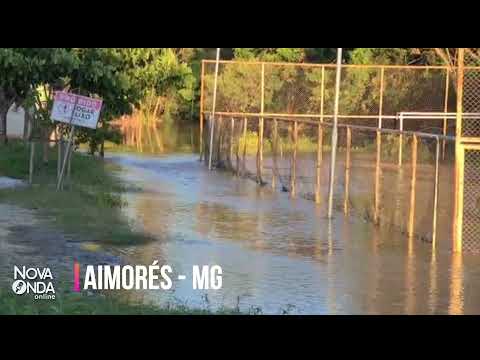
(15, 119)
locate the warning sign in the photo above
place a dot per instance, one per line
(76, 109)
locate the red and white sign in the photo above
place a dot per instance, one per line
(85, 114)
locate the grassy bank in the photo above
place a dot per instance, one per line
(70, 303)
(90, 204)
(89, 207)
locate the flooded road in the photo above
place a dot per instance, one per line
(279, 254)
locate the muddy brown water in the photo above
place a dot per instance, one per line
(281, 254)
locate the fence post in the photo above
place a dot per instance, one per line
(435, 193)
(459, 157)
(232, 132)
(201, 109)
(237, 154)
(260, 128)
(376, 215)
(212, 128)
(206, 145)
(319, 163)
(334, 134)
(274, 152)
(445, 109)
(411, 217)
(380, 104)
(293, 179)
(220, 139)
(320, 140)
(347, 170)
(400, 142)
(245, 145)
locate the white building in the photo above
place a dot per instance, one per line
(15, 119)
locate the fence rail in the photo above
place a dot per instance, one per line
(295, 159)
(398, 136)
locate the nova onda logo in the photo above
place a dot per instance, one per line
(34, 281)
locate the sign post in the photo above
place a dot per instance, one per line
(75, 110)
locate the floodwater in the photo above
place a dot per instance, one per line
(280, 254)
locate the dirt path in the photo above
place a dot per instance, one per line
(28, 239)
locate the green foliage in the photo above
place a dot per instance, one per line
(270, 54)
(304, 144)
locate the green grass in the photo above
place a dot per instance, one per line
(90, 204)
(88, 207)
(71, 303)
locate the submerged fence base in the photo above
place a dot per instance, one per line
(293, 156)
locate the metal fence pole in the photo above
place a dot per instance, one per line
(319, 163)
(459, 157)
(445, 109)
(232, 132)
(380, 104)
(435, 193)
(293, 178)
(411, 217)
(212, 128)
(208, 125)
(220, 138)
(260, 129)
(334, 134)
(274, 152)
(320, 140)
(237, 172)
(244, 146)
(376, 214)
(201, 109)
(347, 170)
(400, 142)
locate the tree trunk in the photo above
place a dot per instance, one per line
(3, 125)
(5, 104)
(27, 125)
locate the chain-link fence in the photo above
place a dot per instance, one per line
(366, 91)
(396, 144)
(389, 177)
(468, 152)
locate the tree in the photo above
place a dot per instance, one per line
(148, 77)
(270, 54)
(22, 70)
(16, 77)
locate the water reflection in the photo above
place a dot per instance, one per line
(410, 280)
(276, 251)
(432, 299)
(456, 286)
